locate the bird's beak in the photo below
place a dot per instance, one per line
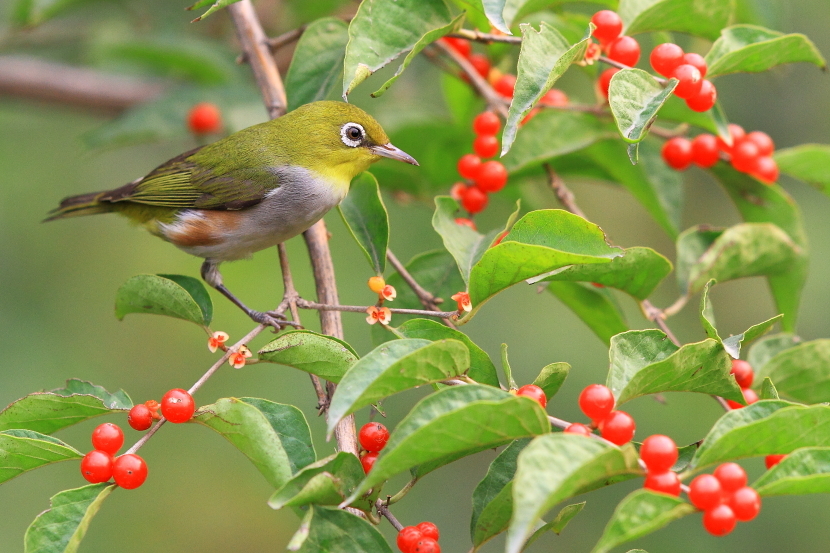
(392, 152)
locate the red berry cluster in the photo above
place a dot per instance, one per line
(597, 402)
(176, 406)
(422, 538)
(622, 49)
(659, 454)
(483, 177)
(373, 437)
(204, 118)
(743, 376)
(99, 465)
(724, 498)
(750, 153)
(533, 392)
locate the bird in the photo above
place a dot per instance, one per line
(251, 190)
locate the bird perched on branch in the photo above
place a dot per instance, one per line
(251, 190)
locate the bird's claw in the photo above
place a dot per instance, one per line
(272, 319)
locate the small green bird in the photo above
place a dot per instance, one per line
(251, 190)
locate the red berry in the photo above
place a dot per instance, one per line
(743, 373)
(731, 476)
(705, 492)
(481, 64)
(460, 45)
(373, 436)
(696, 60)
(108, 438)
(705, 150)
(129, 471)
(596, 401)
(772, 460)
(744, 156)
(578, 428)
(468, 166)
(554, 97)
(609, 25)
(486, 122)
(766, 170)
(618, 427)
(96, 466)
(690, 81)
(665, 58)
(465, 222)
(204, 118)
(486, 145)
(705, 99)
(604, 80)
(427, 545)
(457, 191)
(533, 392)
(407, 538)
(491, 176)
(368, 461)
(428, 530)
(737, 133)
(659, 453)
(663, 482)
(745, 503)
(761, 139)
(625, 50)
(177, 405)
(505, 85)
(677, 153)
(140, 417)
(474, 200)
(750, 397)
(719, 521)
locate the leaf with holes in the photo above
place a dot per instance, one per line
(326, 356)
(366, 218)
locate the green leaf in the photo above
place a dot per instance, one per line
(552, 377)
(326, 356)
(395, 367)
(540, 242)
(198, 293)
(768, 389)
(465, 244)
(732, 344)
(505, 367)
(647, 362)
(553, 133)
(518, 10)
(485, 11)
(635, 98)
(275, 437)
(216, 6)
(637, 272)
(61, 528)
(808, 162)
(366, 218)
(493, 497)
(162, 295)
(23, 450)
(804, 471)
(761, 203)
(747, 249)
(752, 49)
(639, 514)
(317, 63)
(801, 372)
(325, 482)
(675, 109)
(768, 347)
(452, 423)
(481, 370)
(27, 13)
(596, 308)
(703, 18)
(336, 531)
(545, 55)
(382, 30)
(764, 428)
(557, 525)
(47, 412)
(555, 467)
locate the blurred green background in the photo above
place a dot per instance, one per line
(58, 281)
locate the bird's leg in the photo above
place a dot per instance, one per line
(211, 275)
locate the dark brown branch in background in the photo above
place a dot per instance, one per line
(493, 98)
(429, 301)
(563, 193)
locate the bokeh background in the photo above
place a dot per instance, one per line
(58, 281)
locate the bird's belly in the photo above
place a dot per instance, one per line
(229, 235)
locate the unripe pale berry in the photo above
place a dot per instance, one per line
(376, 283)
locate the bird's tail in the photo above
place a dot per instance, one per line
(75, 206)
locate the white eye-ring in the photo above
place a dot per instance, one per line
(352, 134)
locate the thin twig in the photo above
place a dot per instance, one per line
(495, 101)
(563, 193)
(478, 36)
(657, 316)
(305, 304)
(383, 511)
(428, 300)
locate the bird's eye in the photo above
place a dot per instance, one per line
(352, 134)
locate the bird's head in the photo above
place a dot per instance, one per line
(340, 140)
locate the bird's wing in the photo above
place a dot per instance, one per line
(183, 182)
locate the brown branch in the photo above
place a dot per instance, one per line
(335, 307)
(428, 300)
(31, 77)
(478, 36)
(493, 98)
(563, 193)
(383, 510)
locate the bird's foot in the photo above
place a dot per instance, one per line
(273, 319)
